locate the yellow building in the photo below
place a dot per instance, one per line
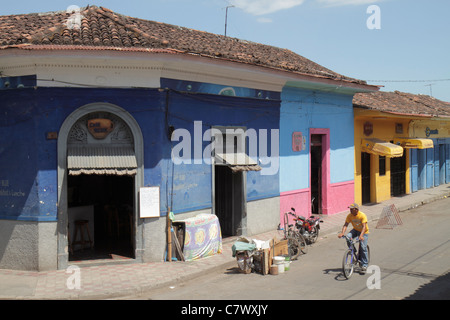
(392, 153)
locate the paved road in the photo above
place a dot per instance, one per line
(414, 260)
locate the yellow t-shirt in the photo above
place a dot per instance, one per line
(357, 221)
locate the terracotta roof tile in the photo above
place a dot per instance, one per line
(402, 103)
(103, 28)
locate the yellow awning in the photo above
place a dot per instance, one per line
(417, 143)
(381, 148)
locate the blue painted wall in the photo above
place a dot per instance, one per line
(304, 109)
(28, 160)
(430, 167)
(192, 183)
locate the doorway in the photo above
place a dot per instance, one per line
(398, 175)
(107, 202)
(365, 177)
(73, 130)
(316, 173)
(229, 200)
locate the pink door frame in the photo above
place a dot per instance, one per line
(325, 188)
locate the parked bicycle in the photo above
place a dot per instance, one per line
(352, 257)
(296, 242)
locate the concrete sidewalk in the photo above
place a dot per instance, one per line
(110, 281)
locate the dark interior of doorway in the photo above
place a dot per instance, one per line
(112, 199)
(365, 177)
(398, 175)
(316, 173)
(228, 200)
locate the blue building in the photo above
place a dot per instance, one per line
(118, 121)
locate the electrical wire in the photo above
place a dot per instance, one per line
(435, 80)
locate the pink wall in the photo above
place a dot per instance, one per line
(339, 196)
(298, 199)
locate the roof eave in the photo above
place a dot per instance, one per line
(291, 78)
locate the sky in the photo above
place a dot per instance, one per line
(401, 45)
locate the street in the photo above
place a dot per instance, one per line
(413, 260)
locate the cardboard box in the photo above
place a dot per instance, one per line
(281, 248)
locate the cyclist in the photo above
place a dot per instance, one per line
(358, 219)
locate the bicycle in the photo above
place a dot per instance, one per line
(296, 242)
(351, 257)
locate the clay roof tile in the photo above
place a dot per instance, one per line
(99, 26)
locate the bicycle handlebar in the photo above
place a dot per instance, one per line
(352, 240)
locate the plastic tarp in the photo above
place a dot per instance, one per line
(203, 237)
(242, 246)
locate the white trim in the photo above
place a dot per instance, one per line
(144, 69)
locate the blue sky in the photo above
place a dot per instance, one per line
(412, 45)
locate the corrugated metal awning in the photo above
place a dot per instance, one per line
(381, 148)
(239, 161)
(111, 160)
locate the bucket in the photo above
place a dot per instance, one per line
(280, 267)
(278, 260)
(287, 265)
(274, 269)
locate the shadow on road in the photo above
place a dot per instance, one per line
(337, 272)
(437, 289)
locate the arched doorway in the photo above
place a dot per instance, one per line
(100, 170)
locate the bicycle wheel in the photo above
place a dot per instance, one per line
(293, 248)
(347, 264)
(302, 243)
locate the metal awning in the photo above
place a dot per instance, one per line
(237, 162)
(414, 143)
(111, 160)
(381, 148)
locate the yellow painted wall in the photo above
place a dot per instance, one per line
(384, 128)
(418, 128)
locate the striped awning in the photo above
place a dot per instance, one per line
(381, 148)
(414, 143)
(110, 160)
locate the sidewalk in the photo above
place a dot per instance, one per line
(110, 281)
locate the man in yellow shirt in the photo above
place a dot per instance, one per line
(360, 229)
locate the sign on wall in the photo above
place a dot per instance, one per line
(368, 128)
(100, 128)
(149, 202)
(298, 141)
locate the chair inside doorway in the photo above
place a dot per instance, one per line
(106, 201)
